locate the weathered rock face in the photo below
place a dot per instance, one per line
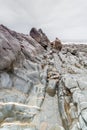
(40, 37)
(41, 89)
(14, 45)
(56, 44)
(9, 49)
(35, 34)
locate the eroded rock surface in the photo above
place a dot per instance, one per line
(41, 89)
(56, 44)
(40, 37)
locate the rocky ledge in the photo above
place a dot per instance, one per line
(43, 84)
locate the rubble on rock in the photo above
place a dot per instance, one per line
(41, 89)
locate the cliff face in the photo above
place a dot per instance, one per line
(41, 88)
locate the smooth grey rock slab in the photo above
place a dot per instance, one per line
(12, 95)
(69, 82)
(27, 75)
(5, 80)
(22, 85)
(57, 127)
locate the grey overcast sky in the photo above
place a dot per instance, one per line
(66, 19)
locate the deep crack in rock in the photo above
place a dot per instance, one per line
(43, 84)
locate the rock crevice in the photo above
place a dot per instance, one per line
(43, 84)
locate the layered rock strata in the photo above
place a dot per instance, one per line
(41, 87)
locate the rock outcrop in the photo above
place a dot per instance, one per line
(41, 89)
(56, 44)
(40, 37)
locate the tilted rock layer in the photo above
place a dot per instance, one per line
(42, 87)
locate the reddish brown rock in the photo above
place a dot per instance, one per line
(56, 44)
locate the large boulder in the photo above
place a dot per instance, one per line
(56, 44)
(40, 37)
